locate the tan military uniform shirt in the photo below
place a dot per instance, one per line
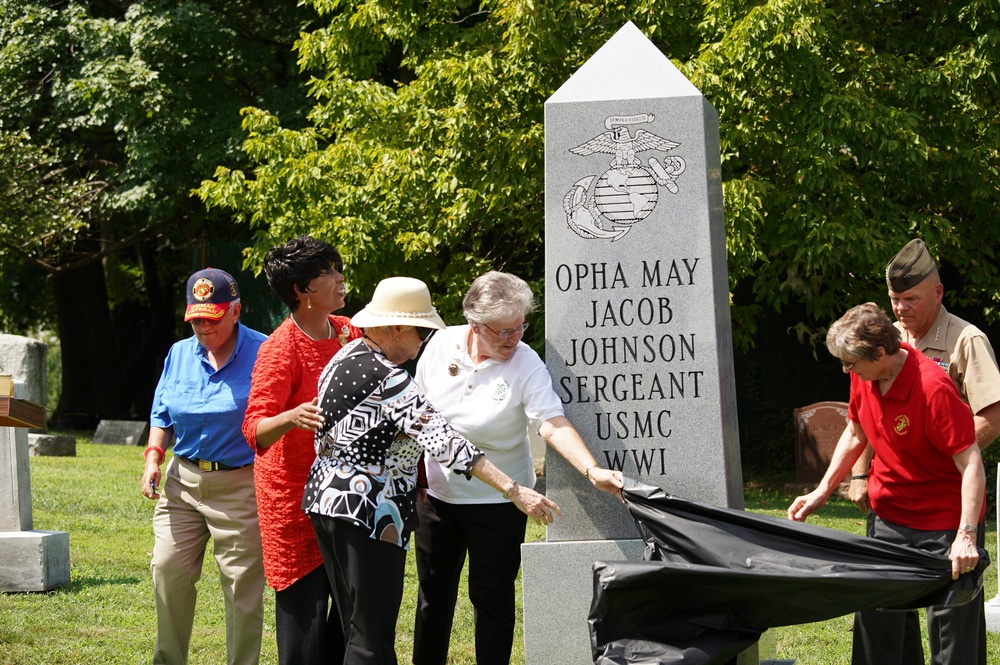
(964, 351)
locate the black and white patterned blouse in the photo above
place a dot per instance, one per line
(377, 423)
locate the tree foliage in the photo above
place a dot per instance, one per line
(425, 150)
(847, 128)
(417, 145)
(42, 210)
(119, 109)
(141, 98)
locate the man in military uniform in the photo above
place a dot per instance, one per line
(960, 348)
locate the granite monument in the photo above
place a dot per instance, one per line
(638, 332)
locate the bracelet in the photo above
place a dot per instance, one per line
(510, 486)
(860, 476)
(163, 453)
(586, 473)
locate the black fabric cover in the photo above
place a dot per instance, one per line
(715, 579)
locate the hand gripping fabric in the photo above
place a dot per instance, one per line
(715, 579)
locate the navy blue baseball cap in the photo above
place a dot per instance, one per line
(210, 293)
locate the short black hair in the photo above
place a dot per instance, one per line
(296, 263)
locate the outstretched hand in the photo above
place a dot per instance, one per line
(536, 506)
(607, 480)
(805, 505)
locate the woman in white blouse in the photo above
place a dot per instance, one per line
(490, 387)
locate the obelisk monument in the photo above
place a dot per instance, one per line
(638, 332)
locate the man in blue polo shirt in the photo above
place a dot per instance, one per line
(206, 490)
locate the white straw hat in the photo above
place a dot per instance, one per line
(402, 301)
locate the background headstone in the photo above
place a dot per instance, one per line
(34, 560)
(638, 333)
(24, 359)
(992, 606)
(15, 476)
(30, 560)
(122, 432)
(51, 445)
(817, 429)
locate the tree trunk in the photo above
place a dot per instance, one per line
(91, 369)
(149, 327)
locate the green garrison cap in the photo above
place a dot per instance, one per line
(910, 267)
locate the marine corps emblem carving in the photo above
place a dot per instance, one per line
(628, 191)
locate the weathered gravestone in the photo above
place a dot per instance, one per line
(51, 445)
(992, 607)
(638, 334)
(122, 432)
(30, 560)
(23, 358)
(817, 429)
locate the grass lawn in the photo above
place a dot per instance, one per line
(829, 642)
(106, 613)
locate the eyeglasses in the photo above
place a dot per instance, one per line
(849, 366)
(202, 322)
(423, 333)
(507, 332)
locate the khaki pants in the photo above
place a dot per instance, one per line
(195, 505)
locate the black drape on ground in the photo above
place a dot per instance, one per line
(718, 578)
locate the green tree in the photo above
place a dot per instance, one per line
(846, 129)
(41, 207)
(135, 102)
(425, 150)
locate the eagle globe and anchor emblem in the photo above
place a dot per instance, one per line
(628, 191)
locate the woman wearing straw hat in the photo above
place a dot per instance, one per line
(361, 491)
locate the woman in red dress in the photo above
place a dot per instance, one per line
(280, 422)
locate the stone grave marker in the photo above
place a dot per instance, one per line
(30, 560)
(122, 432)
(638, 333)
(51, 445)
(817, 429)
(23, 358)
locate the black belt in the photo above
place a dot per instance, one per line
(205, 465)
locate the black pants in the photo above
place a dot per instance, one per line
(492, 535)
(957, 635)
(307, 624)
(367, 580)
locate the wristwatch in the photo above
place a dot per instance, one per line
(971, 528)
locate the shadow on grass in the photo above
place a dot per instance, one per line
(78, 584)
(75, 586)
